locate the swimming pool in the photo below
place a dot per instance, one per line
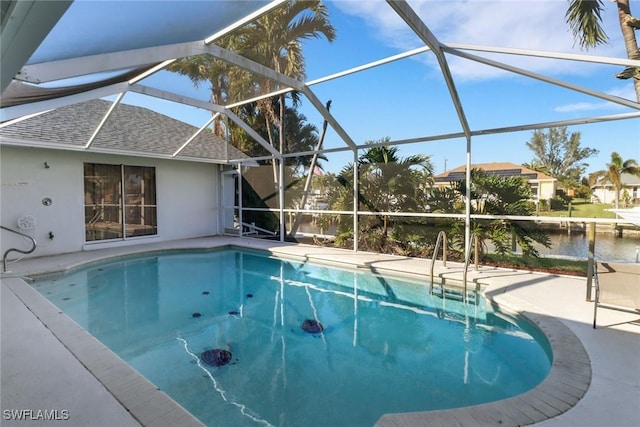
(387, 346)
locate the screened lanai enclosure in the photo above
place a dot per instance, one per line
(323, 122)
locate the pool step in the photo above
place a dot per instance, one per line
(455, 294)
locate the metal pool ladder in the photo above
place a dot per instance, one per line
(8, 251)
(442, 237)
(473, 240)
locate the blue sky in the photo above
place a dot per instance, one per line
(409, 98)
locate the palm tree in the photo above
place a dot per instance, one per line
(391, 183)
(584, 18)
(499, 195)
(225, 80)
(275, 41)
(386, 183)
(613, 173)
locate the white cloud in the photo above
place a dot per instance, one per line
(626, 92)
(532, 24)
(581, 106)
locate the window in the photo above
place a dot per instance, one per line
(119, 201)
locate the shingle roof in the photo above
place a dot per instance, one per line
(627, 180)
(129, 128)
(499, 168)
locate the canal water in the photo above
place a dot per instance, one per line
(609, 247)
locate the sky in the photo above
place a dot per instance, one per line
(409, 98)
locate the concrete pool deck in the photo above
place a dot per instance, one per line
(52, 368)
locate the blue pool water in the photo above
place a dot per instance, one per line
(387, 345)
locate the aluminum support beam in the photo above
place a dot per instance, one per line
(174, 97)
(9, 113)
(328, 117)
(547, 54)
(594, 93)
(416, 24)
(253, 134)
(104, 120)
(356, 234)
(24, 27)
(467, 203)
(283, 219)
(240, 206)
(74, 67)
(169, 96)
(422, 31)
(195, 135)
(241, 22)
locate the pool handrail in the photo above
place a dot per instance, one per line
(8, 251)
(473, 240)
(442, 236)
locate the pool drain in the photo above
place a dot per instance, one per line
(312, 326)
(216, 357)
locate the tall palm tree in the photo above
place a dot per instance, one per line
(226, 81)
(613, 173)
(275, 40)
(584, 17)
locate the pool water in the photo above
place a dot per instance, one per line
(387, 345)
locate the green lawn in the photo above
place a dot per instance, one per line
(584, 209)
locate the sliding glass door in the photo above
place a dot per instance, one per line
(119, 201)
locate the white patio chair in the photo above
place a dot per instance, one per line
(617, 287)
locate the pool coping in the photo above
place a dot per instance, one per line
(566, 383)
(144, 401)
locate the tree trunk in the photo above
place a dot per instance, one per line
(305, 191)
(630, 42)
(216, 98)
(274, 162)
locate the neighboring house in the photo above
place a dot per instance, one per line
(543, 186)
(605, 192)
(74, 182)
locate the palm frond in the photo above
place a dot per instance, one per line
(584, 18)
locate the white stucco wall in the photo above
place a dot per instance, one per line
(187, 198)
(546, 190)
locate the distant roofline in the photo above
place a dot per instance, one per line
(495, 167)
(628, 180)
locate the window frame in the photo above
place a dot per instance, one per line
(121, 204)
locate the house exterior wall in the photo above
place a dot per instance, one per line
(607, 194)
(187, 198)
(546, 190)
(603, 195)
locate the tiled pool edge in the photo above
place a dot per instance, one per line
(146, 403)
